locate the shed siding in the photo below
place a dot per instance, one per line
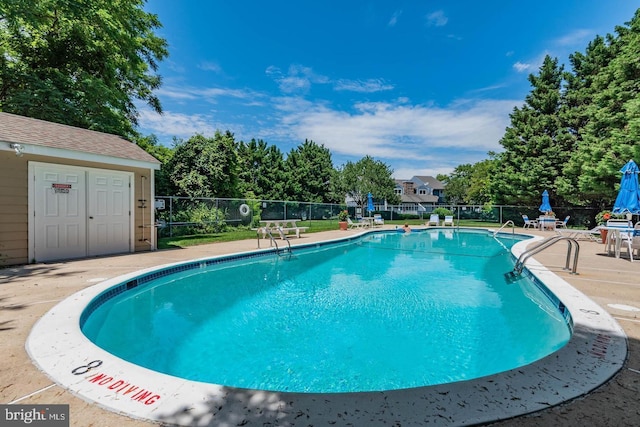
(14, 237)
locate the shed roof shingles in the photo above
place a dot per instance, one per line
(26, 130)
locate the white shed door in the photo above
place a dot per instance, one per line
(59, 213)
(109, 212)
(80, 212)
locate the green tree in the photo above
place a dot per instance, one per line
(262, 171)
(163, 154)
(537, 145)
(457, 183)
(469, 183)
(609, 138)
(205, 167)
(577, 112)
(309, 171)
(80, 63)
(367, 175)
(479, 190)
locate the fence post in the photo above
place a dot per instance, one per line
(170, 216)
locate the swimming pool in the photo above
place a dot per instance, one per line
(595, 352)
(386, 311)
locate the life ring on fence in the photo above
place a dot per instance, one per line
(244, 209)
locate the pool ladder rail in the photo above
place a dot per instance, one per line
(549, 241)
(272, 241)
(513, 228)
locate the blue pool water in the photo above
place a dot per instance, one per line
(386, 311)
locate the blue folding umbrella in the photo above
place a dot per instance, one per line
(628, 200)
(370, 202)
(545, 206)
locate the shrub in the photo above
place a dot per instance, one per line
(442, 212)
(206, 219)
(603, 216)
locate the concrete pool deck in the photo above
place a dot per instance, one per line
(28, 292)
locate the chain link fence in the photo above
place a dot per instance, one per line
(178, 216)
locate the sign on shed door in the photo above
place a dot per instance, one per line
(59, 213)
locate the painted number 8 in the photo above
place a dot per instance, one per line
(80, 370)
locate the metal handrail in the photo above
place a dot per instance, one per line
(517, 269)
(284, 237)
(513, 228)
(272, 240)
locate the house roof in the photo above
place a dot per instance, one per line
(26, 130)
(431, 182)
(419, 198)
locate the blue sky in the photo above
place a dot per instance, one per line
(422, 86)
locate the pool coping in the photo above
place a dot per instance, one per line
(596, 351)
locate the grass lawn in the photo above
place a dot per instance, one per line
(314, 227)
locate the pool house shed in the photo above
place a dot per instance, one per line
(67, 192)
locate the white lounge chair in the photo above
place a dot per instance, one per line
(434, 220)
(448, 220)
(593, 234)
(351, 224)
(529, 222)
(377, 220)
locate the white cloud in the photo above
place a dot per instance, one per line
(176, 124)
(297, 80)
(521, 67)
(577, 37)
(489, 88)
(397, 132)
(211, 95)
(437, 19)
(394, 18)
(365, 86)
(423, 138)
(210, 66)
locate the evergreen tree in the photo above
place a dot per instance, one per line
(537, 145)
(309, 171)
(609, 138)
(261, 170)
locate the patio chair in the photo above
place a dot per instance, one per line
(529, 222)
(631, 239)
(635, 240)
(562, 224)
(624, 236)
(351, 224)
(434, 219)
(448, 220)
(377, 220)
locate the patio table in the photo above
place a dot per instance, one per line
(547, 222)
